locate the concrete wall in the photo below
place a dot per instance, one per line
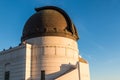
(52, 54)
(17, 61)
(84, 71)
(73, 75)
(56, 55)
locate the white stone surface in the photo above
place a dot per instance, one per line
(17, 61)
(84, 71)
(56, 55)
(73, 75)
(52, 53)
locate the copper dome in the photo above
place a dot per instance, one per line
(49, 21)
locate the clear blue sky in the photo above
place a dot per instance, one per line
(97, 21)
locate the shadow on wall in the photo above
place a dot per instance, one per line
(64, 68)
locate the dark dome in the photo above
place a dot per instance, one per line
(49, 21)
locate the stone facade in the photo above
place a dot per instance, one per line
(16, 61)
(48, 50)
(58, 56)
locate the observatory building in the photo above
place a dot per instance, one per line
(48, 50)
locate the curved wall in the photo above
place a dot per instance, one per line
(53, 54)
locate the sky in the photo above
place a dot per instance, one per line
(97, 22)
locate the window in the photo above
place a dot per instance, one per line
(43, 75)
(7, 71)
(7, 75)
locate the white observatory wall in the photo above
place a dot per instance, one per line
(53, 54)
(84, 71)
(18, 61)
